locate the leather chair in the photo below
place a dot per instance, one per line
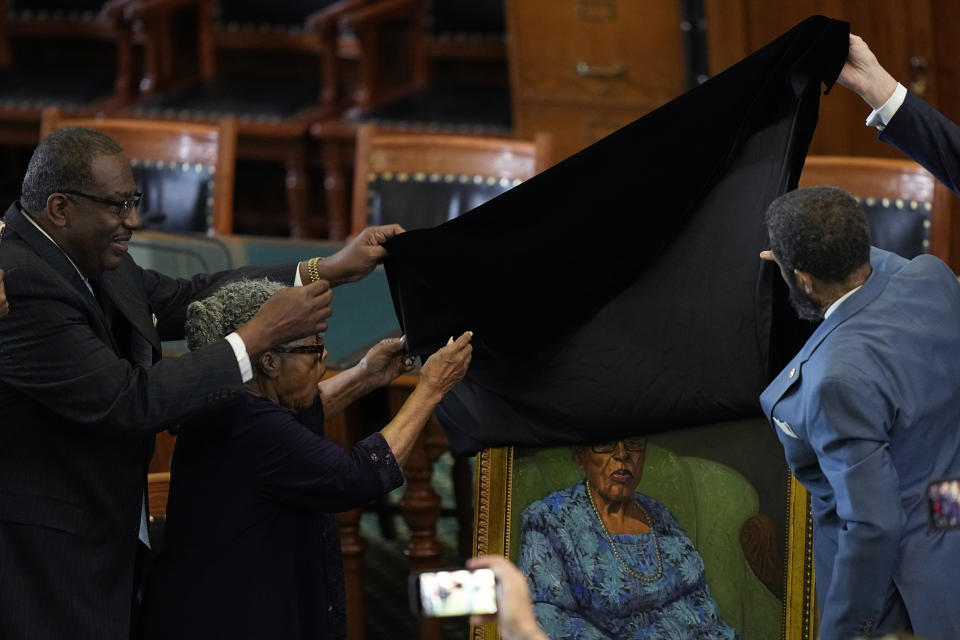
(184, 170)
(421, 180)
(272, 66)
(903, 202)
(74, 55)
(417, 103)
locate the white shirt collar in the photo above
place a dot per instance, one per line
(26, 215)
(836, 303)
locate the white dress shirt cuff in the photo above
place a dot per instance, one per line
(144, 533)
(879, 118)
(297, 280)
(243, 359)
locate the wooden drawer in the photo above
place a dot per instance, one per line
(573, 127)
(623, 50)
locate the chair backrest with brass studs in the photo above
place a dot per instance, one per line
(421, 180)
(901, 199)
(185, 171)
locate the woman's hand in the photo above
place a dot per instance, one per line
(446, 367)
(385, 361)
(442, 370)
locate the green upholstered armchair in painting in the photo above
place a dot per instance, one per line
(712, 502)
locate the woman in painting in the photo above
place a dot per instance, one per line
(604, 561)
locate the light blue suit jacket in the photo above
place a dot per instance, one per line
(868, 413)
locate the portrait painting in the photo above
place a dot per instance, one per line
(696, 532)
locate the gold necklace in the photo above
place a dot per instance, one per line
(648, 520)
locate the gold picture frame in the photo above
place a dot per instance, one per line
(505, 475)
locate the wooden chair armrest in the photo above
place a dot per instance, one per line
(759, 541)
(158, 488)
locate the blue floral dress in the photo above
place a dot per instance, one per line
(581, 591)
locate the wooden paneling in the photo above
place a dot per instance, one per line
(576, 126)
(620, 53)
(581, 68)
(914, 39)
(898, 31)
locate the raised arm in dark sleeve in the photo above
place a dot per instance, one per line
(927, 136)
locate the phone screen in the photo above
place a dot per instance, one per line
(943, 501)
(455, 593)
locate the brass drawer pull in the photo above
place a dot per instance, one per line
(615, 70)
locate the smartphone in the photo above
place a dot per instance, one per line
(943, 503)
(456, 592)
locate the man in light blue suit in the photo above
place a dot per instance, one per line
(868, 413)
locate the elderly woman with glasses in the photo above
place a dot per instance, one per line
(604, 561)
(251, 547)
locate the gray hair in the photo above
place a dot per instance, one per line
(226, 310)
(61, 162)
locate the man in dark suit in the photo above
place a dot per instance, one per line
(867, 413)
(83, 389)
(903, 118)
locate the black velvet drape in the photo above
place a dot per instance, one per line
(620, 291)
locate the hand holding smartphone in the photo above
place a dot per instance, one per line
(456, 592)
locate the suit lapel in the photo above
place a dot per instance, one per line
(50, 253)
(122, 293)
(792, 373)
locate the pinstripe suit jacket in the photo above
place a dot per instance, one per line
(82, 393)
(927, 136)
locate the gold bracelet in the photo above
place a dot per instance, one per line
(312, 269)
